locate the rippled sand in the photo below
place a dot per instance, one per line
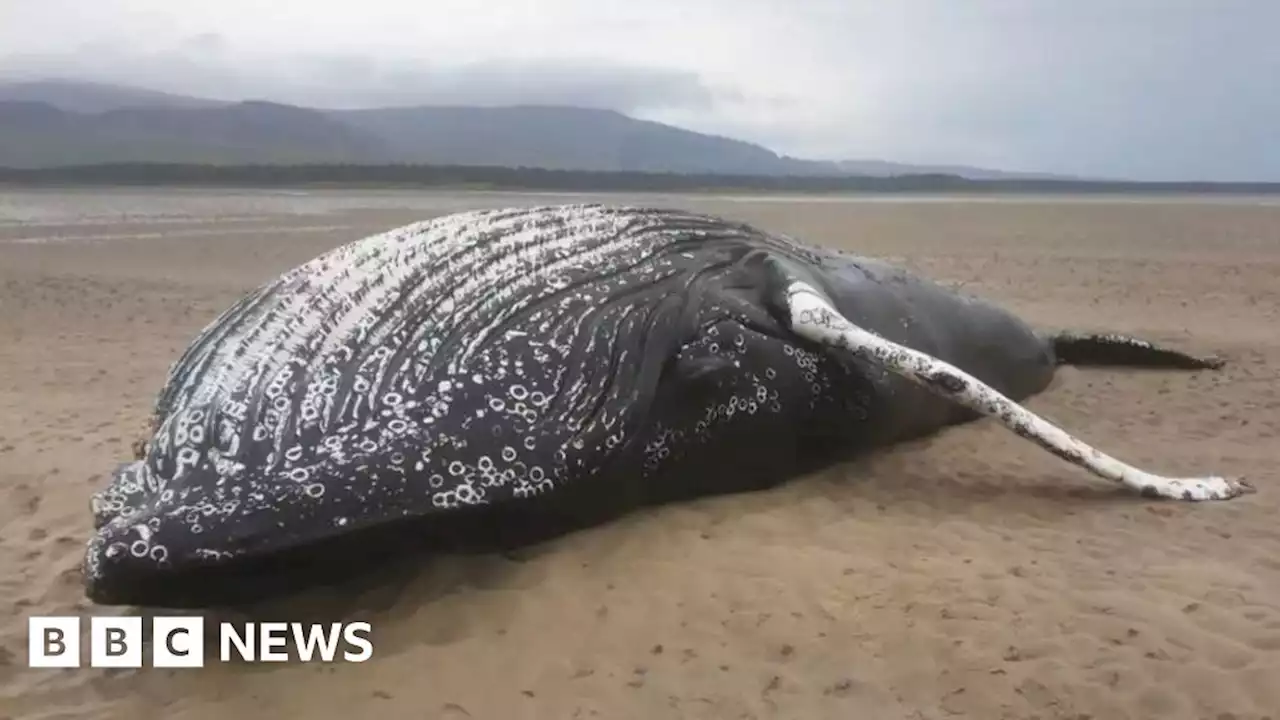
(969, 575)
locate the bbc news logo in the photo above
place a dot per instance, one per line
(179, 642)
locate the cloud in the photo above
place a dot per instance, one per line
(1155, 89)
(201, 67)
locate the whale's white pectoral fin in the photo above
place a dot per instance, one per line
(814, 318)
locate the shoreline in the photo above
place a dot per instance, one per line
(749, 195)
(519, 179)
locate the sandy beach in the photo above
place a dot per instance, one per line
(968, 575)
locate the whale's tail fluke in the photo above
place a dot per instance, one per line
(1073, 348)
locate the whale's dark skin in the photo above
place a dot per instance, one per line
(490, 379)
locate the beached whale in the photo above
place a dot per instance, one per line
(511, 369)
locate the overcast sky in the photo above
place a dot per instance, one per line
(1145, 89)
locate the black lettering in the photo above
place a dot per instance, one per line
(53, 638)
(168, 642)
(115, 642)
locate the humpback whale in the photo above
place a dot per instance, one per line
(495, 373)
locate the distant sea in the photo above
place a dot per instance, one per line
(106, 204)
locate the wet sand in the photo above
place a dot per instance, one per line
(967, 575)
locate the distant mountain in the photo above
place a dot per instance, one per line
(882, 168)
(62, 122)
(561, 138)
(86, 97)
(36, 134)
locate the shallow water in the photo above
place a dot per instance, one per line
(68, 206)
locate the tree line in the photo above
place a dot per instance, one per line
(522, 178)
